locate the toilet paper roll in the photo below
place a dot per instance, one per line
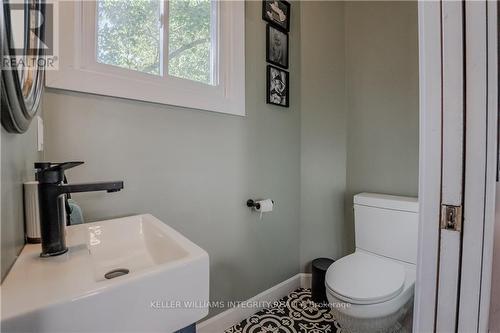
(265, 206)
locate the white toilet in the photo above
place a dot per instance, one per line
(371, 290)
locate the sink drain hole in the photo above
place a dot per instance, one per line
(116, 273)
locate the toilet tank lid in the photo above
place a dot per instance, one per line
(408, 204)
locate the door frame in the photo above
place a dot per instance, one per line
(492, 160)
(480, 165)
(429, 188)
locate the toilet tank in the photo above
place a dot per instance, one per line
(387, 225)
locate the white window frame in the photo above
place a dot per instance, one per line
(80, 71)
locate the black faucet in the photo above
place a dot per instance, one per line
(51, 198)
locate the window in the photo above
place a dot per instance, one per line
(129, 35)
(191, 41)
(188, 53)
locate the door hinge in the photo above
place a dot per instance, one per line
(451, 217)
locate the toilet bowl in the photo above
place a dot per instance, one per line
(371, 290)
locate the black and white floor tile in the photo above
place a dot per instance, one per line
(295, 313)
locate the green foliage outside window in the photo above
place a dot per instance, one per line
(189, 39)
(129, 36)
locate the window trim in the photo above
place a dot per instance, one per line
(80, 71)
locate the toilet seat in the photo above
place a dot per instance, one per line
(364, 278)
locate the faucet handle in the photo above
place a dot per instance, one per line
(49, 166)
(48, 172)
(42, 165)
(64, 166)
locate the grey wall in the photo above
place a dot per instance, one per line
(382, 99)
(359, 114)
(19, 152)
(195, 169)
(323, 131)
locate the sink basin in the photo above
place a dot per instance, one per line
(128, 274)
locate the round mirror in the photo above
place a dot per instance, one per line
(21, 33)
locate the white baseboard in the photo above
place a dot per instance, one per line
(230, 317)
(305, 280)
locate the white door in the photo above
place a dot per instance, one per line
(452, 169)
(458, 104)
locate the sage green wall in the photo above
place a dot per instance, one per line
(359, 114)
(196, 169)
(382, 99)
(19, 152)
(323, 131)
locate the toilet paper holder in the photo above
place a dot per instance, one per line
(254, 204)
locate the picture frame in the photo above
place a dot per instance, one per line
(277, 13)
(278, 86)
(277, 47)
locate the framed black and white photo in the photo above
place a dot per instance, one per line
(277, 86)
(277, 13)
(276, 47)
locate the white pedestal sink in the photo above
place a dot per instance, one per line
(166, 287)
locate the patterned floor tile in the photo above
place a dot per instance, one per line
(295, 313)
